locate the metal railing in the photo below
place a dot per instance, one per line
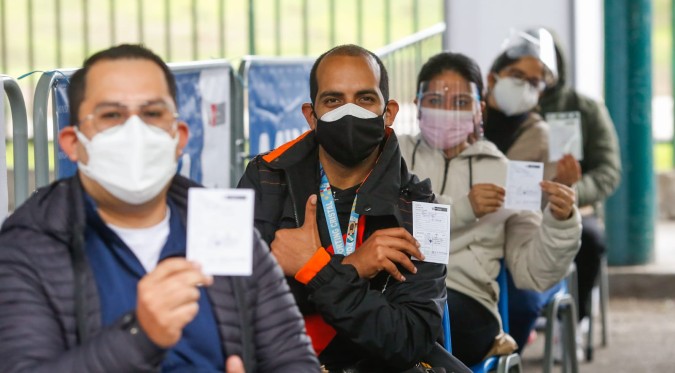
(20, 129)
(41, 126)
(403, 60)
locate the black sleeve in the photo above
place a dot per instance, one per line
(399, 325)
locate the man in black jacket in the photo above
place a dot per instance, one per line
(367, 305)
(92, 270)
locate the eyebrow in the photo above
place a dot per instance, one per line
(341, 94)
(367, 92)
(331, 93)
(142, 103)
(454, 95)
(521, 72)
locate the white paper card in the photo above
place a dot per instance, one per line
(220, 230)
(564, 136)
(522, 185)
(431, 228)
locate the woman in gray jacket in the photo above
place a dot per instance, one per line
(469, 173)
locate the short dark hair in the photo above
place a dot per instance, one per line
(77, 85)
(354, 51)
(448, 61)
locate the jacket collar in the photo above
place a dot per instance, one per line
(483, 147)
(379, 193)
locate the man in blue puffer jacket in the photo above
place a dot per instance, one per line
(93, 275)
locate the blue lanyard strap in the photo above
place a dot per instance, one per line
(339, 246)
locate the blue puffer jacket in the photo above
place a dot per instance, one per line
(50, 314)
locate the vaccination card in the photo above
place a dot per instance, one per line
(220, 230)
(564, 136)
(431, 228)
(523, 191)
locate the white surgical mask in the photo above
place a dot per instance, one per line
(513, 96)
(133, 161)
(445, 129)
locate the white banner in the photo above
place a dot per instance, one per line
(214, 85)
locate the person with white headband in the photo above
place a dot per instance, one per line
(468, 173)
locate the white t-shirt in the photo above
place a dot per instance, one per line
(146, 243)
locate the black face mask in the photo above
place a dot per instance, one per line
(350, 140)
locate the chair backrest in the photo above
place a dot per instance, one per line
(447, 343)
(503, 302)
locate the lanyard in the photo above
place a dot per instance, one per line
(339, 247)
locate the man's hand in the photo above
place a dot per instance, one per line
(234, 365)
(295, 246)
(560, 199)
(567, 171)
(382, 251)
(167, 299)
(486, 198)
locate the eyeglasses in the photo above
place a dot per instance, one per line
(521, 79)
(155, 113)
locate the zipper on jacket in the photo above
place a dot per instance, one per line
(79, 267)
(290, 192)
(445, 175)
(417, 144)
(470, 173)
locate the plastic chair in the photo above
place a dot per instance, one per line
(447, 344)
(563, 307)
(500, 364)
(602, 283)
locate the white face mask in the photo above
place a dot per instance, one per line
(513, 96)
(445, 129)
(348, 109)
(133, 161)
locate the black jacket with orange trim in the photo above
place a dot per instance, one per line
(390, 324)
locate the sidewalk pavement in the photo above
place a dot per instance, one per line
(641, 317)
(641, 339)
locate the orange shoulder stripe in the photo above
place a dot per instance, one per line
(274, 154)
